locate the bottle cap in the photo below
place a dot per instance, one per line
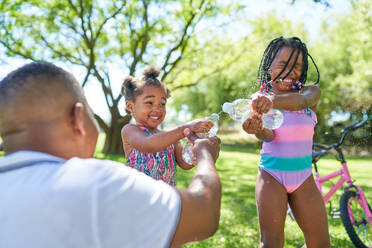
(214, 116)
(227, 107)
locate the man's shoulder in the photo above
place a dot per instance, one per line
(97, 170)
(107, 174)
(93, 163)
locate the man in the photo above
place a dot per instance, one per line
(52, 194)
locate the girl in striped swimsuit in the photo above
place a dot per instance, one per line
(285, 169)
(148, 149)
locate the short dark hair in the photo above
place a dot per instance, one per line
(132, 87)
(16, 80)
(272, 50)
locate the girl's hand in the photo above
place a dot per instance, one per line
(200, 126)
(253, 124)
(261, 103)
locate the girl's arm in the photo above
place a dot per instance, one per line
(307, 97)
(253, 125)
(266, 135)
(137, 139)
(178, 154)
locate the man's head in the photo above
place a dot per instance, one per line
(43, 108)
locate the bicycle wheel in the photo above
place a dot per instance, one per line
(354, 220)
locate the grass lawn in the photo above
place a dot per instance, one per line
(239, 223)
(237, 166)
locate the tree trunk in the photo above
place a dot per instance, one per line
(113, 141)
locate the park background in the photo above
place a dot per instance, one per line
(208, 52)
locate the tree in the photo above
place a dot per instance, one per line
(324, 2)
(345, 56)
(96, 34)
(227, 68)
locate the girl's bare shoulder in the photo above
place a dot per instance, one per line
(130, 128)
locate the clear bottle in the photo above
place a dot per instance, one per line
(240, 109)
(187, 153)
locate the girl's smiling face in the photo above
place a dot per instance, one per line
(278, 64)
(148, 109)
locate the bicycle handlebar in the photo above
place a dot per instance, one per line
(345, 131)
(320, 146)
(357, 125)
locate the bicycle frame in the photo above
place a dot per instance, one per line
(345, 177)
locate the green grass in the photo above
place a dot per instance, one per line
(237, 166)
(239, 223)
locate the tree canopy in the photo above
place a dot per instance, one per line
(97, 35)
(200, 63)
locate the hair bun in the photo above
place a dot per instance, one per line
(127, 84)
(151, 72)
(128, 81)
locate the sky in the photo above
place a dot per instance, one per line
(303, 11)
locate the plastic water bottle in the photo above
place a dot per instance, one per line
(187, 153)
(241, 109)
(213, 131)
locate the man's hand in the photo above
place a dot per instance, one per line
(211, 145)
(253, 124)
(261, 103)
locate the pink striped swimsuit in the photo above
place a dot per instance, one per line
(158, 165)
(288, 157)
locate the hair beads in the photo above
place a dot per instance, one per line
(265, 86)
(297, 85)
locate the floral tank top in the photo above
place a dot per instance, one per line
(159, 165)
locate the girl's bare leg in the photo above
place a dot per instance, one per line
(271, 199)
(309, 210)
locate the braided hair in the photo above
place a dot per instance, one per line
(270, 53)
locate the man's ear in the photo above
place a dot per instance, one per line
(129, 106)
(77, 118)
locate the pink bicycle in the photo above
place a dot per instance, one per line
(355, 212)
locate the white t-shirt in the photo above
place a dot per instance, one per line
(52, 203)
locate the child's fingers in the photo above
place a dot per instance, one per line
(193, 160)
(253, 124)
(260, 103)
(208, 124)
(190, 135)
(267, 106)
(204, 127)
(215, 140)
(247, 125)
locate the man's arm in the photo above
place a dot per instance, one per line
(200, 210)
(308, 97)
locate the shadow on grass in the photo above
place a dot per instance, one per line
(238, 222)
(237, 167)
